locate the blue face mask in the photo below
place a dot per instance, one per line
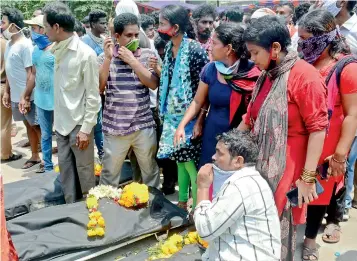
(219, 177)
(40, 40)
(224, 70)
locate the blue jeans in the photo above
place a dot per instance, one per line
(98, 135)
(350, 173)
(45, 119)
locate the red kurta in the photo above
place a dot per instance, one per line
(307, 113)
(348, 85)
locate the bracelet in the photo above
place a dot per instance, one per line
(308, 176)
(204, 110)
(337, 161)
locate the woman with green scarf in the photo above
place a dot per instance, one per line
(183, 62)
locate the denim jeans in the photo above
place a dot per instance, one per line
(98, 134)
(350, 174)
(45, 119)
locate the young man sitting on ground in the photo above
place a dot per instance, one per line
(241, 223)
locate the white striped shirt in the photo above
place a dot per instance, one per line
(242, 222)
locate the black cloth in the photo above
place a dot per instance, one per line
(59, 230)
(28, 195)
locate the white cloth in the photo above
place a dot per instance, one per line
(18, 57)
(349, 30)
(242, 222)
(295, 39)
(127, 6)
(76, 85)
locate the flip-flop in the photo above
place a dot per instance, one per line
(310, 253)
(31, 164)
(332, 234)
(13, 157)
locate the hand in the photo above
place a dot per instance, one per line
(6, 100)
(306, 191)
(108, 48)
(197, 130)
(179, 136)
(125, 55)
(205, 176)
(24, 106)
(153, 62)
(82, 140)
(335, 168)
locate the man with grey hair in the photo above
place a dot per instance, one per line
(242, 222)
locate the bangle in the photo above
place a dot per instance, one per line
(308, 176)
(335, 160)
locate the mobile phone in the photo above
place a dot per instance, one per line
(293, 194)
(322, 170)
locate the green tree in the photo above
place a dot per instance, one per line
(80, 8)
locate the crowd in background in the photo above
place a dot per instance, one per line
(168, 89)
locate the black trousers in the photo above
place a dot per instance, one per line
(315, 214)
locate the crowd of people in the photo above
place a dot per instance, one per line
(238, 108)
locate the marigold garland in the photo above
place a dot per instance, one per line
(134, 195)
(174, 244)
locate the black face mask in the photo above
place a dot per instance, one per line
(164, 36)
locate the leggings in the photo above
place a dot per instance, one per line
(316, 213)
(187, 173)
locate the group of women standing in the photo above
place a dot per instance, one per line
(300, 110)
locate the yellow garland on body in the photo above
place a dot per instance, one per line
(134, 195)
(174, 244)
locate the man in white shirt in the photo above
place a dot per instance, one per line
(77, 101)
(241, 223)
(18, 64)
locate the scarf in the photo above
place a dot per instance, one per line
(242, 84)
(271, 125)
(98, 40)
(313, 47)
(60, 49)
(175, 96)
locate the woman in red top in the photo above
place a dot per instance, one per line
(322, 46)
(290, 128)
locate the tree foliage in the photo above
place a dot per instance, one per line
(80, 8)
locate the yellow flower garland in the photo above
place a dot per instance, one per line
(174, 244)
(134, 195)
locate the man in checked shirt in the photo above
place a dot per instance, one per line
(241, 223)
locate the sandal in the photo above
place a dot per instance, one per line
(331, 233)
(13, 157)
(182, 205)
(308, 253)
(30, 163)
(41, 169)
(26, 144)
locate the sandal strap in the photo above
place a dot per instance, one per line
(331, 228)
(310, 252)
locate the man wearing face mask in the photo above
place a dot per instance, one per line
(345, 18)
(18, 64)
(127, 118)
(204, 17)
(77, 102)
(42, 78)
(246, 228)
(286, 11)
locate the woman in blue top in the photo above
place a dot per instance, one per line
(226, 85)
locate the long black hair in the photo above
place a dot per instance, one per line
(229, 33)
(319, 22)
(177, 14)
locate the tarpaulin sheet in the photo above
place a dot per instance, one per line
(42, 191)
(57, 230)
(28, 195)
